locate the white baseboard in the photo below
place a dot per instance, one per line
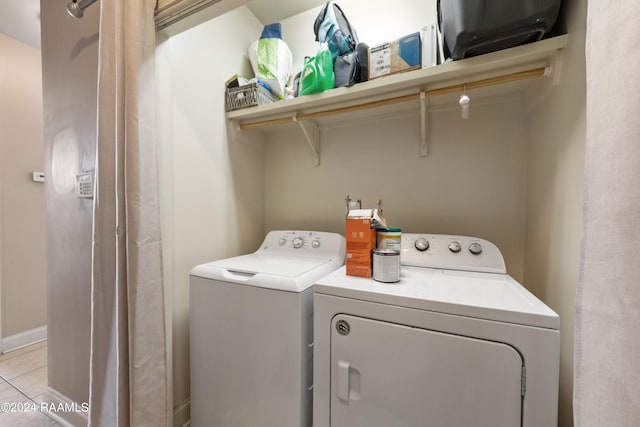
(23, 339)
(182, 414)
(66, 418)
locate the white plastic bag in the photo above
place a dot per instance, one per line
(272, 61)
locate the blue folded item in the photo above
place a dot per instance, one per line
(272, 31)
(261, 83)
(264, 85)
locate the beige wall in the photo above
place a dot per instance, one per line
(212, 186)
(472, 182)
(554, 193)
(22, 235)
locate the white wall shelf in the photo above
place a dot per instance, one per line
(492, 73)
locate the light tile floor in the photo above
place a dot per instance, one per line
(23, 379)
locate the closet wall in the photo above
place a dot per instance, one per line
(510, 174)
(472, 182)
(555, 154)
(212, 192)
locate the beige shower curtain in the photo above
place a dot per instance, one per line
(607, 340)
(128, 385)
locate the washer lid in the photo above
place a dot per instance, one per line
(480, 295)
(280, 272)
(273, 265)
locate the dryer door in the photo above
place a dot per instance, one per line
(384, 374)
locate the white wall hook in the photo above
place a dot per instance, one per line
(464, 103)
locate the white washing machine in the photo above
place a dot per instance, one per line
(251, 345)
(456, 342)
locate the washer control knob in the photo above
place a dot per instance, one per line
(455, 247)
(422, 244)
(315, 244)
(297, 242)
(282, 241)
(475, 248)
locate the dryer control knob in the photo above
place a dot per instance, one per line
(475, 248)
(297, 242)
(422, 244)
(315, 244)
(455, 247)
(282, 241)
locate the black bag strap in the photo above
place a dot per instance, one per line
(320, 18)
(344, 22)
(445, 48)
(341, 19)
(362, 57)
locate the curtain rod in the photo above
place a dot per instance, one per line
(76, 8)
(522, 75)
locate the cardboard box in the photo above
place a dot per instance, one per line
(361, 241)
(397, 56)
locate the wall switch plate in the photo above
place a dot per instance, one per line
(37, 176)
(84, 185)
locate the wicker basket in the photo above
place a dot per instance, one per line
(248, 96)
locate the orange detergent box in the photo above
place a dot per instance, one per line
(361, 241)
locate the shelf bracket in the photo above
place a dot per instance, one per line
(424, 124)
(555, 69)
(311, 133)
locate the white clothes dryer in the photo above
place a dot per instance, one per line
(251, 339)
(457, 342)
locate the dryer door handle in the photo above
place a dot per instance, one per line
(343, 380)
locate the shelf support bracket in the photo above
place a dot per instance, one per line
(311, 133)
(424, 124)
(555, 69)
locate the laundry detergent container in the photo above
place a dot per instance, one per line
(474, 27)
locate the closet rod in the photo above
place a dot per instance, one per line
(522, 75)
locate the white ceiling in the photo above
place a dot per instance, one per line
(267, 12)
(20, 20)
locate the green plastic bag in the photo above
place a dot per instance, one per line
(317, 73)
